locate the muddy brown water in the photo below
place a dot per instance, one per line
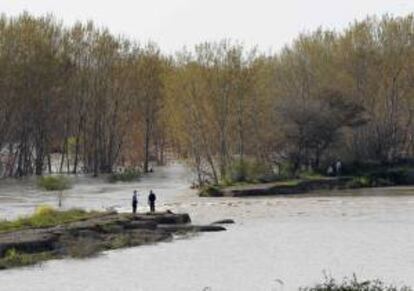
(277, 243)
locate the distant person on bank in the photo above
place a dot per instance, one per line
(134, 202)
(338, 168)
(151, 201)
(330, 171)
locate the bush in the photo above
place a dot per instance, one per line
(54, 183)
(249, 171)
(383, 178)
(354, 285)
(129, 175)
(397, 176)
(359, 182)
(383, 174)
(120, 241)
(311, 175)
(14, 258)
(209, 191)
(46, 216)
(44, 210)
(287, 170)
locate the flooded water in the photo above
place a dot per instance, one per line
(20, 197)
(277, 243)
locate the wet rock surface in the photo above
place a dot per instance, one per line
(191, 228)
(224, 221)
(91, 236)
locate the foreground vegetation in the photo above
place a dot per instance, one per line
(46, 216)
(51, 234)
(353, 284)
(14, 259)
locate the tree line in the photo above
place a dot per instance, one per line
(99, 100)
(81, 92)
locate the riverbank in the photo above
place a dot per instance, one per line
(289, 187)
(89, 235)
(380, 177)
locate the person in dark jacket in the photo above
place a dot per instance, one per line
(134, 202)
(151, 201)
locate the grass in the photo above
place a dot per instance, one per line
(250, 171)
(353, 284)
(129, 175)
(46, 216)
(289, 183)
(312, 176)
(209, 191)
(54, 183)
(358, 182)
(14, 258)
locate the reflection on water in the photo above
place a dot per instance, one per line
(278, 239)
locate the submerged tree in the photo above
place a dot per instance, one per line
(80, 98)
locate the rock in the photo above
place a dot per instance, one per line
(144, 236)
(173, 219)
(176, 228)
(141, 225)
(90, 236)
(209, 228)
(87, 233)
(190, 228)
(224, 221)
(110, 228)
(28, 241)
(164, 218)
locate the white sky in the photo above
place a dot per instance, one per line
(270, 24)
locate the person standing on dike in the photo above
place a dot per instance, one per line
(151, 201)
(134, 202)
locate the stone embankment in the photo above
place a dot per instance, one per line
(91, 236)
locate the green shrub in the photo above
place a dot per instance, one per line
(359, 182)
(209, 191)
(13, 255)
(226, 182)
(381, 178)
(44, 210)
(120, 241)
(383, 175)
(14, 258)
(287, 170)
(46, 216)
(129, 175)
(54, 183)
(249, 171)
(395, 176)
(311, 175)
(354, 284)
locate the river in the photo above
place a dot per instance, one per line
(277, 243)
